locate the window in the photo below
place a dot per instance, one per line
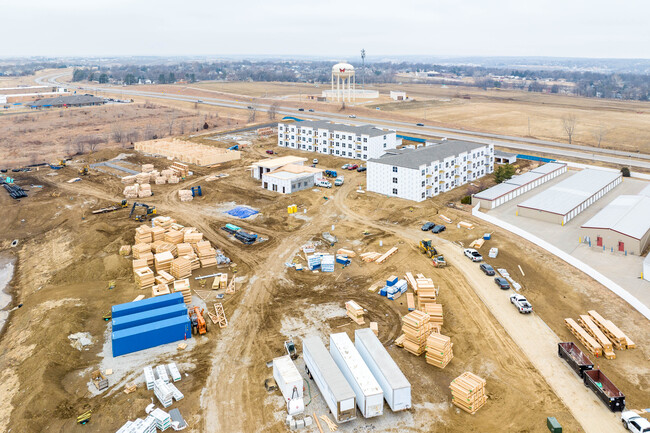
(365, 139)
(394, 169)
(395, 191)
(349, 137)
(365, 148)
(349, 153)
(447, 164)
(365, 156)
(422, 183)
(337, 151)
(292, 137)
(394, 180)
(384, 145)
(422, 195)
(422, 172)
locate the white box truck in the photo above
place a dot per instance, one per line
(289, 381)
(335, 389)
(397, 389)
(370, 397)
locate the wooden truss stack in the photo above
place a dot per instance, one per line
(181, 268)
(183, 286)
(439, 350)
(355, 312)
(468, 392)
(416, 329)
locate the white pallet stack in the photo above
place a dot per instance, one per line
(313, 261)
(147, 425)
(162, 418)
(149, 377)
(327, 263)
(162, 373)
(175, 392)
(173, 370)
(163, 392)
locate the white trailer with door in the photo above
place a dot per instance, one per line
(336, 391)
(397, 389)
(370, 397)
(289, 381)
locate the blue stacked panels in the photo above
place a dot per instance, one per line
(395, 291)
(343, 259)
(327, 263)
(313, 262)
(149, 323)
(391, 281)
(383, 291)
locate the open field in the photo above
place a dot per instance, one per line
(66, 257)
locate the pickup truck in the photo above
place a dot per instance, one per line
(472, 254)
(634, 422)
(323, 183)
(338, 181)
(521, 303)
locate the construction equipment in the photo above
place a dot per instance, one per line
(84, 171)
(439, 261)
(427, 248)
(199, 325)
(58, 166)
(291, 349)
(149, 210)
(124, 204)
(84, 418)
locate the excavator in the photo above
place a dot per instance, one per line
(84, 171)
(199, 325)
(149, 211)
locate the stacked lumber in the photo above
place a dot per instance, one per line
(131, 191)
(163, 261)
(355, 312)
(163, 221)
(223, 281)
(194, 261)
(173, 179)
(439, 350)
(145, 190)
(192, 237)
(416, 328)
(444, 218)
(386, 255)
(619, 340)
(157, 234)
(410, 301)
(345, 252)
(179, 169)
(128, 180)
(184, 249)
(147, 168)
(426, 290)
(183, 286)
(478, 243)
(164, 278)
(173, 237)
(185, 195)
(142, 178)
(139, 264)
(166, 173)
(160, 180)
(206, 254)
(140, 249)
(435, 312)
(181, 268)
(159, 290)
(369, 257)
(411, 280)
(468, 392)
(125, 250)
(143, 235)
(587, 340)
(592, 329)
(162, 246)
(144, 278)
(466, 225)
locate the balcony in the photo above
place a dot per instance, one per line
(429, 176)
(429, 187)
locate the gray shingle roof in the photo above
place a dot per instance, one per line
(370, 130)
(414, 158)
(67, 100)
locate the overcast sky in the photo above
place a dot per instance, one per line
(334, 28)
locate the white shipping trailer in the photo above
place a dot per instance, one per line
(289, 381)
(335, 389)
(370, 397)
(397, 389)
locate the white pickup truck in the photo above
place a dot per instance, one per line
(521, 303)
(323, 183)
(635, 423)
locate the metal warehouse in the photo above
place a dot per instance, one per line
(623, 225)
(511, 188)
(563, 201)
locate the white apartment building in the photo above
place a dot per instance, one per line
(347, 141)
(417, 174)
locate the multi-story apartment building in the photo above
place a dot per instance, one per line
(347, 141)
(417, 174)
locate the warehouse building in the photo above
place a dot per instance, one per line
(347, 141)
(623, 225)
(417, 174)
(501, 157)
(291, 178)
(517, 185)
(563, 201)
(67, 101)
(267, 165)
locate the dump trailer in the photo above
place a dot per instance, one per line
(370, 397)
(335, 389)
(289, 381)
(573, 356)
(605, 390)
(397, 389)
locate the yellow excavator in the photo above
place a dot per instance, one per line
(84, 171)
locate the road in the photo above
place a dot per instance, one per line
(520, 144)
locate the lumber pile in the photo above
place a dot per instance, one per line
(184, 249)
(179, 169)
(399, 341)
(162, 246)
(160, 180)
(163, 261)
(173, 237)
(183, 286)
(468, 392)
(587, 340)
(386, 255)
(410, 301)
(223, 281)
(345, 252)
(131, 191)
(140, 249)
(128, 180)
(144, 277)
(588, 325)
(173, 179)
(435, 312)
(188, 152)
(181, 268)
(369, 257)
(205, 253)
(416, 328)
(139, 264)
(478, 243)
(145, 190)
(146, 168)
(445, 219)
(192, 237)
(427, 291)
(185, 195)
(143, 235)
(355, 312)
(163, 221)
(125, 250)
(160, 289)
(466, 225)
(439, 350)
(619, 340)
(157, 234)
(142, 178)
(164, 278)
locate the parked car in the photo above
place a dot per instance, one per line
(360, 169)
(353, 167)
(438, 228)
(427, 226)
(315, 161)
(311, 110)
(473, 255)
(345, 166)
(487, 269)
(352, 116)
(338, 181)
(324, 183)
(502, 283)
(250, 107)
(419, 124)
(521, 303)
(270, 152)
(634, 422)
(301, 109)
(199, 101)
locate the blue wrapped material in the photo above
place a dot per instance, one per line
(151, 335)
(120, 310)
(402, 286)
(383, 291)
(144, 317)
(391, 281)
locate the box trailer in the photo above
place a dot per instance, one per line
(605, 390)
(335, 389)
(150, 335)
(289, 381)
(397, 389)
(370, 397)
(577, 360)
(150, 316)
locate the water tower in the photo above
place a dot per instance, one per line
(344, 75)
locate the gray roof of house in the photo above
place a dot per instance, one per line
(414, 158)
(370, 130)
(67, 100)
(503, 154)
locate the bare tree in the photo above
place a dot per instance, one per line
(600, 133)
(80, 144)
(118, 133)
(273, 109)
(94, 142)
(569, 126)
(171, 118)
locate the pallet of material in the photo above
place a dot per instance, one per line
(143, 177)
(139, 264)
(399, 341)
(416, 328)
(125, 250)
(345, 252)
(181, 268)
(184, 249)
(173, 237)
(143, 235)
(613, 333)
(157, 234)
(223, 281)
(355, 312)
(131, 191)
(148, 257)
(439, 350)
(163, 261)
(173, 179)
(369, 257)
(145, 190)
(466, 225)
(179, 169)
(221, 315)
(160, 180)
(588, 324)
(587, 340)
(445, 219)
(183, 286)
(192, 237)
(206, 254)
(162, 246)
(427, 292)
(144, 278)
(410, 301)
(159, 290)
(386, 255)
(128, 180)
(164, 278)
(146, 168)
(435, 312)
(478, 243)
(468, 392)
(163, 221)
(139, 249)
(185, 195)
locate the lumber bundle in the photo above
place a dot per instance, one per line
(435, 312)
(173, 179)
(427, 291)
(181, 268)
(587, 341)
(162, 246)
(139, 250)
(167, 173)
(194, 261)
(439, 350)
(179, 169)
(369, 257)
(466, 225)
(221, 315)
(131, 191)
(399, 341)
(163, 261)
(355, 312)
(185, 195)
(588, 325)
(478, 243)
(160, 180)
(145, 190)
(142, 178)
(144, 278)
(184, 249)
(411, 280)
(386, 255)
(445, 219)
(613, 333)
(188, 152)
(192, 237)
(143, 235)
(125, 250)
(206, 254)
(183, 286)
(148, 257)
(157, 234)
(173, 237)
(468, 392)
(416, 328)
(164, 278)
(160, 289)
(139, 264)
(410, 301)
(128, 180)
(146, 168)
(163, 221)
(346, 252)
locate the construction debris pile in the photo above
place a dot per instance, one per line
(599, 336)
(468, 392)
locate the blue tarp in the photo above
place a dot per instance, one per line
(292, 118)
(151, 335)
(242, 212)
(535, 158)
(144, 317)
(416, 139)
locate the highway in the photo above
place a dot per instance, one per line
(522, 145)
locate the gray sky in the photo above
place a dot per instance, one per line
(562, 28)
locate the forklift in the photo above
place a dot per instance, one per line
(199, 325)
(149, 211)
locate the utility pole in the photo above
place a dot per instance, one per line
(363, 68)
